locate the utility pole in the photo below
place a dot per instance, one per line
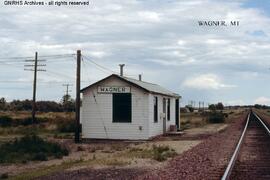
(35, 65)
(34, 90)
(203, 106)
(78, 98)
(67, 89)
(66, 97)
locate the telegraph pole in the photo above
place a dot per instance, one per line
(34, 90)
(78, 98)
(67, 88)
(35, 65)
(66, 96)
(203, 106)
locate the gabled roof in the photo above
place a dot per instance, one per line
(149, 87)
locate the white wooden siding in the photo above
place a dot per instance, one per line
(96, 114)
(156, 128)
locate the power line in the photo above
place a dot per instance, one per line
(58, 55)
(103, 67)
(59, 74)
(44, 56)
(13, 61)
(86, 69)
(16, 57)
(7, 64)
(44, 82)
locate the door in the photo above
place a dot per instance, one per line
(164, 116)
(177, 114)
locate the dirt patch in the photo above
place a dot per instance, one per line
(108, 173)
(207, 129)
(178, 146)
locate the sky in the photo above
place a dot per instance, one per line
(159, 39)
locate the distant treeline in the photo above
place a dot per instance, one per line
(258, 106)
(67, 104)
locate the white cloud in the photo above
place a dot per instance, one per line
(165, 62)
(217, 41)
(98, 54)
(262, 100)
(206, 81)
(236, 102)
(181, 42)
(150, 16)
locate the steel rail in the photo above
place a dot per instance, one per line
(266, 128)
(229, 168)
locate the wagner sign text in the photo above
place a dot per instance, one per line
(113, 89)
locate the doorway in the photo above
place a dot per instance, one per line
(177, 114)
(164, 116)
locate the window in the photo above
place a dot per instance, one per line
(155, 109)
(168, 109)
(122, 107)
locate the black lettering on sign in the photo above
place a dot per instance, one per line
(113, 89)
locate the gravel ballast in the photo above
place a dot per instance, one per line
(208, 160)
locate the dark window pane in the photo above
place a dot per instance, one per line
(169, 110)
(121, 107)
(155, 109)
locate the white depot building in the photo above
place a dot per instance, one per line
(118, 107)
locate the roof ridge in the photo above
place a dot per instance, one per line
(137, 80)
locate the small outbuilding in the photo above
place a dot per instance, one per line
(119, 107)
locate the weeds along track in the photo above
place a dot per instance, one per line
(251, 158)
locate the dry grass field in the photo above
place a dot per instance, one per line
(200, 119)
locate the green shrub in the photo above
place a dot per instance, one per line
(4, 176)
(66, 126)
(5, 121)
(22, 122)
(161, 153)
(42, 119)
(40, 157)
(216, 117)
(30, 147)
(26, 121)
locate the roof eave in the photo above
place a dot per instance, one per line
(169, 95)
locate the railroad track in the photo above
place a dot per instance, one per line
(251, 158)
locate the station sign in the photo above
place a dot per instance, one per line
(113, 89)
